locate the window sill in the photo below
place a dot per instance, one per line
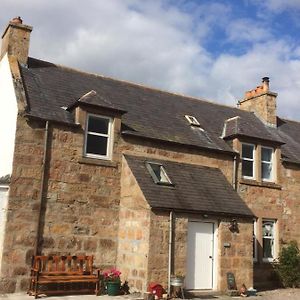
(97, 162)
(268, 261)
(266, 184)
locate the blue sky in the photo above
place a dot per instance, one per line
(205, 48)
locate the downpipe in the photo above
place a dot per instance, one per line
(42, 189)
(171, 219)
(234, 173)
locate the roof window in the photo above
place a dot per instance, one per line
(158, 173)
(192, 120)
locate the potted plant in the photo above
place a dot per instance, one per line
(112, 281)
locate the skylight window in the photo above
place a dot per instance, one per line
(192, 120)
(158, 173)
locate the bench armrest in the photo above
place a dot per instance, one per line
(34, 270)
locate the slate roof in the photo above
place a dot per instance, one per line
(196, 188)
(150, 113)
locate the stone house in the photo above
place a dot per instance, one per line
(149, 181)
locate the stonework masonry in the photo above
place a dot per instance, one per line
(82, 209)
(80, 212)
(96, 207)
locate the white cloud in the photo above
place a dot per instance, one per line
(280, 5)
(247, 30)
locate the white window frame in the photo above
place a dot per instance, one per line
(153, 175)
(109, 136)
(249, 159)
(192, 120)
(267, 162)
(255, 241)
(274, 237)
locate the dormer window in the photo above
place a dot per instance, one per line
(98, 137)
(158, 173)
(192, 120)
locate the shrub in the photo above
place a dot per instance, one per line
(288, 266)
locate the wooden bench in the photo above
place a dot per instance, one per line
(63, 274)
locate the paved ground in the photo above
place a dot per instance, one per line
(282, 294)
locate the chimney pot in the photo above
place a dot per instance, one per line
(266, 84)
(17, 20)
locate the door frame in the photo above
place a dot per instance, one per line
(215, 248)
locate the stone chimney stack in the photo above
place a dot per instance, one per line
(262, 102)
(15, 40)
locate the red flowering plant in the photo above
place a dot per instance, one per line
(112, 275)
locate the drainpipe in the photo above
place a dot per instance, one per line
(234, 175)
(42, 189)
(170, 250)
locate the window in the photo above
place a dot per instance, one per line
(192, 120)
(254, 240)
(98, 137)
(158, 173)
(248, 160)
(266, 163)
(268, 234)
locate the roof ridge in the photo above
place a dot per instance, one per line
(289, 120)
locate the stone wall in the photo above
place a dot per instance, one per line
(278, 200)
(237, 258)
(134, 229)
(23, 205)
(80, 208)
(159, 246)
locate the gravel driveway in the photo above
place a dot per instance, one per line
(281, 294)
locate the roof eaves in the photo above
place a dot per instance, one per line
(91, 105)
(236, 135)
(290, 161)
(39, 118)
(207, 212)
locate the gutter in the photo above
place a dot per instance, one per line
(42, 190)
(235, 173)
(202, 213)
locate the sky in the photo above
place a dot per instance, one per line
(211, 49)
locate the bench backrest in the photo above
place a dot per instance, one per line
(74, 265)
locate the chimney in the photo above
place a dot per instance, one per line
(15, 40)
(262, 102)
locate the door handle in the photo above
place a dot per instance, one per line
(210, 257)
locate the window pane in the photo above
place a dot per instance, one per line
(99, 125)
(268, 248)
(96, 145)
(266, 154)
(268, 228)
(247, 168)
(247, 151)
(266, 171)
(159, 173)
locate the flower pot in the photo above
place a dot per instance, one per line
(113, 288)
(177, 281)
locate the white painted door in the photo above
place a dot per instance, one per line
(200, 251)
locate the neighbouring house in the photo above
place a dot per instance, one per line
(149, 181)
